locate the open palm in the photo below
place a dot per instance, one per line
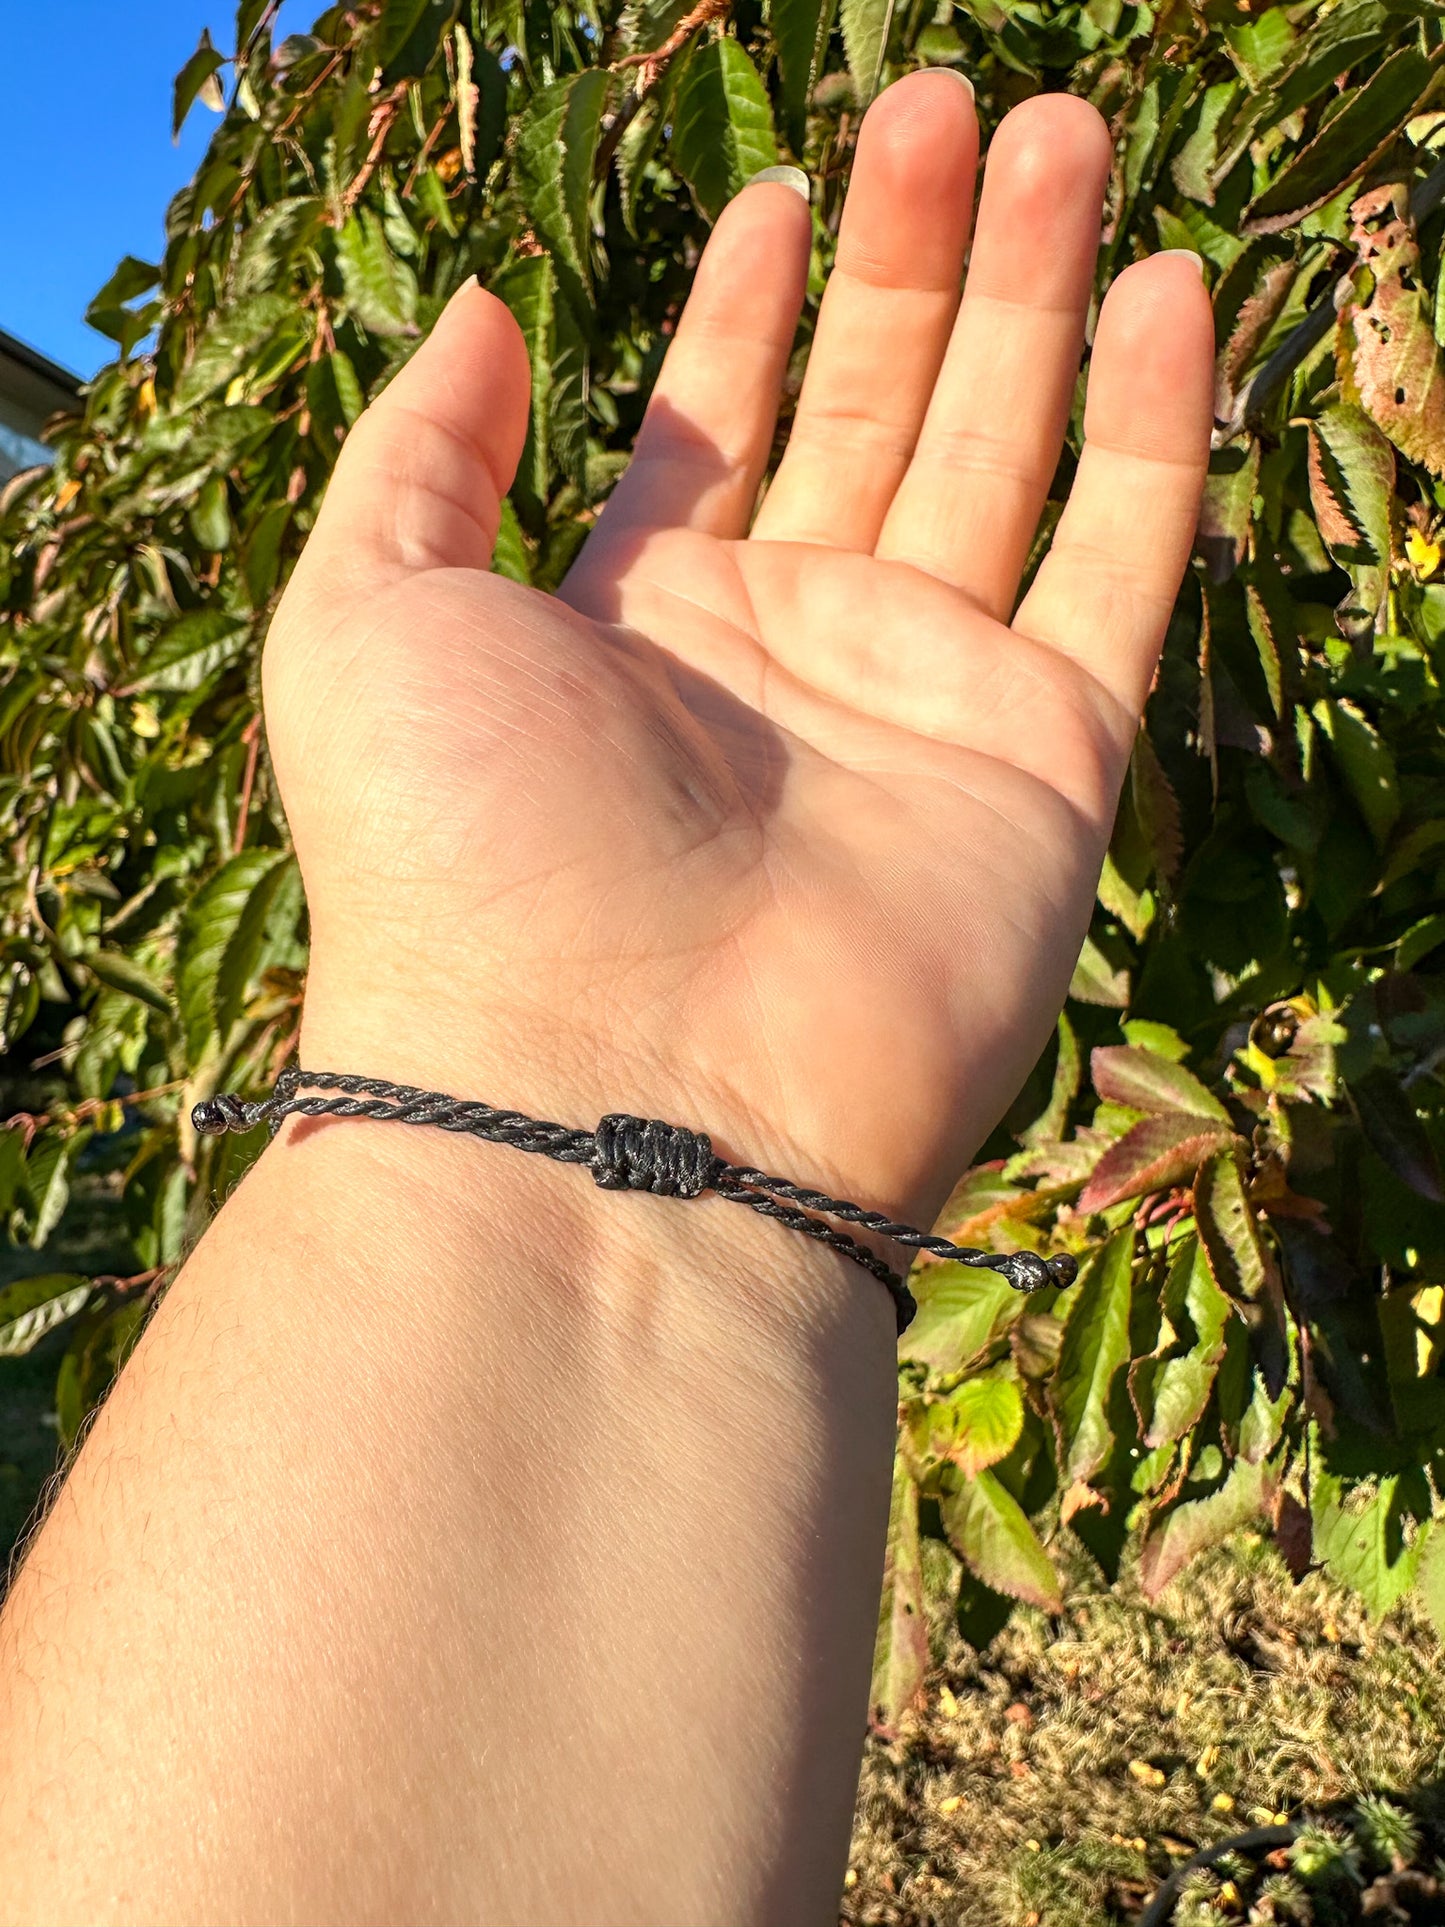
(781, 824)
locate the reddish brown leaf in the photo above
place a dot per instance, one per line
(1294, 1534)
(1145, 1081)
(1391, 364)
(1157, 1152)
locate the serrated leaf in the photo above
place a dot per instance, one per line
(1226, 511)
(1360, 130)
(529, 288)
(210, 923)
(381, 288)
(990, 1532)
(1098, 980)
(1360, 1536)
(973, 1426)
(1145, 1081)
(1095, 1350)
(1227, 1227)
(12, 1167)
(268, 250)
(1197, 1524)
(866, 27)
(191, 83)
(1153, 1155)
(556, 155)
(1392, 365)
(31, 1307)
(1352, 481)
(120, 972)
(183, 656)
(722, 124)
(961, 1309)
(1182, 1383)
(900, 1655)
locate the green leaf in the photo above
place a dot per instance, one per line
(1361, 1535)
(800, 34)
(1068, 1070)
(197, 80)
(210, 923)
(233, 340)
(108, 312)
(974, 1426)
(1419, 940)
(961, 1309)
(47, 1181)
(1227, 1227)
(269, 249)
(990, 1532)
(381, 288)
(1197, 1524)
(556, 156)
(1352, 481)
(192, 649)
(1364, 760)
(510, 555)
(1098, 980)
(529, 288)
(31, 1307)
(866, 27)
(119, 972)
(1362, 128)
(1182, 1383)
(210, 516)
(900, 1655)
(1145, 1081)
(1260, 45)
(722, 125)
(1096, 1348)
(248, 954)
(1154, 1155)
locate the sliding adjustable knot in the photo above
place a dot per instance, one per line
(644, 1154)
(222, 1113)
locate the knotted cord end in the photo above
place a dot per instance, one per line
(1026, 1271)
(215, 1116)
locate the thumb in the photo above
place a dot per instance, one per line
(420, 481)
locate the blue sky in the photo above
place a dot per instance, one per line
(85, 141)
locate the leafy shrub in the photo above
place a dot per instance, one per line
(1241, 1118)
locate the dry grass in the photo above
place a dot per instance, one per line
(1054, 1779)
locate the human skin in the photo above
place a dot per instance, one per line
(464, 1543)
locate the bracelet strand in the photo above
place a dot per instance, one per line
(626, 1153)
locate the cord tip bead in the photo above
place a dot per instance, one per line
(1064, 1270)
(215, 1116)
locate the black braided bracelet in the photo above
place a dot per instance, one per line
(625, 1154)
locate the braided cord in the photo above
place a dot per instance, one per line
(625, 1153)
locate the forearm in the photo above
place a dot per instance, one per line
(462, 1543)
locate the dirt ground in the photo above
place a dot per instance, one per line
(1055, 1778)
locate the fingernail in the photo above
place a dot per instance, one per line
(957, 73)
(792, 177)
(1187, 254)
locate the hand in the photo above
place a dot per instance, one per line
(784, 828)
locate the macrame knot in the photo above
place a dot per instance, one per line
(222, 1113)
(644, 1154)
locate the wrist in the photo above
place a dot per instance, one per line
(450, 1205)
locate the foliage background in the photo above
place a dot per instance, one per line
(1241, 1118)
